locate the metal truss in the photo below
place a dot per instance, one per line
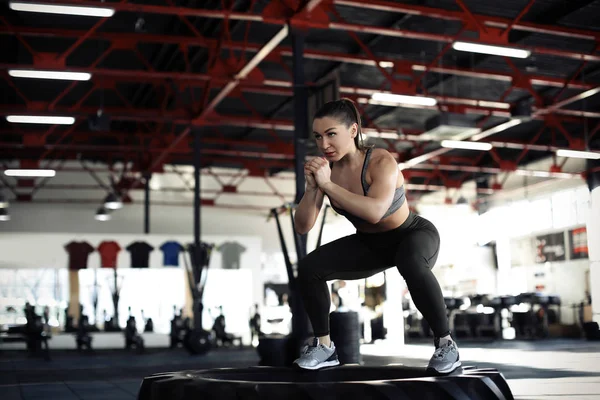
(162, 131)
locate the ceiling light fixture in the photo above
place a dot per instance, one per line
(4, 215)
(103, 12)
(59, 75)
(102, 215)
(3, 201)
(30, 173)
(591, 155)
(113, 202)
(489, 49)
(402, 99)
(40, 119)
(466, 145)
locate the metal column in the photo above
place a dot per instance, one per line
(300, 324)
(197, 301)
(301, 123)
(147, 203)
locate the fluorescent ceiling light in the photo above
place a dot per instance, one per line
(459, 144)
(386, 64)
(493, 50)
(578, 154)
(31, 173)
(60, 9)
(40, 119)
(402, 99)
(37, 74)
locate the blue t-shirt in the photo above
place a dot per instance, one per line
(171, 253)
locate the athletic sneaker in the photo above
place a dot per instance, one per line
(445, 359)
(316, 356)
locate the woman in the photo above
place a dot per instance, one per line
(366, 186)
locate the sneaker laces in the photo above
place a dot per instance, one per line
(310, 347)
(442, 351)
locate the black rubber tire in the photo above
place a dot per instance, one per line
(386, 382)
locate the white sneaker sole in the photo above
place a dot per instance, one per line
(448, 370)
(322, 365)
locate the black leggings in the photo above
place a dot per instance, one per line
(412, 247)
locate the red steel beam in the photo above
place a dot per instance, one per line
(208, 110)
(57, 186)
(357, 28)
(286, 153)
(205, 203)
(400, 66)
(487, 20)
(482, 135)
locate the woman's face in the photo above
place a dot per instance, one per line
(333, 137)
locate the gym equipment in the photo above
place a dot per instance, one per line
(110, 325)
(83, 338)
(115, 298)
(196, 340)
(349, 381)
(301, 329)
(591, 331)
(178, 329)
(148, 323)
(533, 323)
(69, 325)
(198, 343)
(345, 333)
(132, 337)
(34, 333)
(274, 351)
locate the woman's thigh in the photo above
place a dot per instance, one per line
(346, 258)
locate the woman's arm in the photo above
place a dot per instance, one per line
(308, 210)
(384, 172)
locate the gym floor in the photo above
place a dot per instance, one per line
(541, 370)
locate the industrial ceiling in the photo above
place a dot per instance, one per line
(162, 70)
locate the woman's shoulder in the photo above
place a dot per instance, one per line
(382, 156)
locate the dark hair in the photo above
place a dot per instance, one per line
(345, 111)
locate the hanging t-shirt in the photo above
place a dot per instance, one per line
(78, 254)
(171, 251)
(201, 257)
(140, 254)
(231, 254)
(108, 254)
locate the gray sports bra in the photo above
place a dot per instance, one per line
(399, 195)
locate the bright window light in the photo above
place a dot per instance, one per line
(61, 75)
(40, 119)
(459, 144)
(60, 9)
(578, 154)
(31, 173)
(493, 50)
(402, 99)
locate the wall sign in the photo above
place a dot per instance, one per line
(578, 243)
(550, 247)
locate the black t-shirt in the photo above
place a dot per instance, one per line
(78, 254)
(140, 253)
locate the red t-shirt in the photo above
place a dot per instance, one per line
(108, 254)
(78, 254)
